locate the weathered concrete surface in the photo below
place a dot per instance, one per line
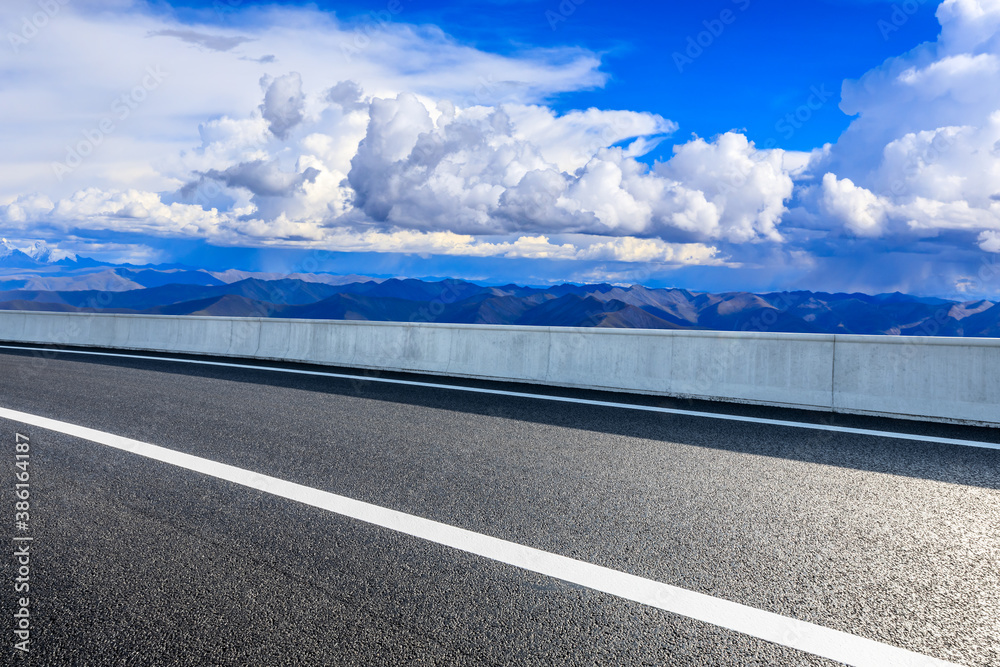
(951, 379)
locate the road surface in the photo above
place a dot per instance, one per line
(138, 561)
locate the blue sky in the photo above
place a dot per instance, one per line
(760, 67)
(718, 145)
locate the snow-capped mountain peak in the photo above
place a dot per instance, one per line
(38, 252)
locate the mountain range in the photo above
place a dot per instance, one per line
(185, 291)
(42, 278)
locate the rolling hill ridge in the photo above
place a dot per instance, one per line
(182, 292)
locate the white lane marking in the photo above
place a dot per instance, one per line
(544, 397)
(807, 637)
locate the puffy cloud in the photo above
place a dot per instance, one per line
(616, 249)
(969, 24)
(145, 213)
(348, 95)
(225, 141)
(424, 151)
(569, 141)
(857, 208)
(406, 162)
(26, 209)
(951, 76)
(65, 79)
(124, 211)
(748, 187)
(532, 247)
(989, 241)
(948, 164)
(924, 154)
(264, 179)
(938, 84)
(438, 145)
(283, 103)
(509, 168)
(630, 249)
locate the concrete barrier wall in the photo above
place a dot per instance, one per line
(944, 379)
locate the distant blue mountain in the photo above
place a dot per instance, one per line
(192, 292)
(152, 278)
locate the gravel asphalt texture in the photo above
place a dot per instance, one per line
(136, 562)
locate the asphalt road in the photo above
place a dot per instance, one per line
(138, 562)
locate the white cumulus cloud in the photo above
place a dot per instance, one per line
(290, 127)
(923, 156)
(858, 209)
